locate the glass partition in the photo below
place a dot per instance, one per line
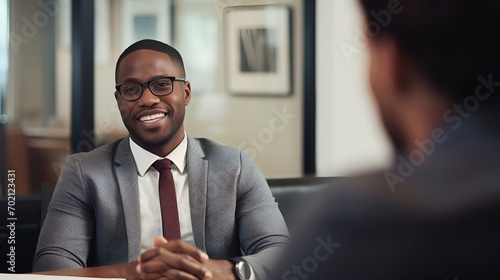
(36, 93)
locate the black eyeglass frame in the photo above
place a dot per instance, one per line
(148, 85)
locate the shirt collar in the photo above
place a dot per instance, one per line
(144, 159)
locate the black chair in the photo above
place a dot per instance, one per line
(291, 193)
(47, 191)
(287, 192)
(25, 234)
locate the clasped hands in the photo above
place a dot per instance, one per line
(178, 259)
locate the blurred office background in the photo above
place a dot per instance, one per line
(338, 134)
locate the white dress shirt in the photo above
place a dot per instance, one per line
(149, 199)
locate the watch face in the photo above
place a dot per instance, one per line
(243, 270)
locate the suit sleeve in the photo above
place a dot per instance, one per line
(68, 230)
(261, 227)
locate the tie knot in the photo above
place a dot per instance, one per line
(162, 164)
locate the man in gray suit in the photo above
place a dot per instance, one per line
(106, 210)
(435, 74)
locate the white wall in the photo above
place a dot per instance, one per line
(350, 137)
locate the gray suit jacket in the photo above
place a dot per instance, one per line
(94, 217)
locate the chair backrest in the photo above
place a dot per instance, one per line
(47, 191)
(287, 192)
(292, 193)
(25, 230)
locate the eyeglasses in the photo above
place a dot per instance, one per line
(131, 91)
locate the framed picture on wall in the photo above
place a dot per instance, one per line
(146, 19)
(257, 50)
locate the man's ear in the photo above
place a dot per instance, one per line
(187, 93)
(117, 95)
(403, 71)
(388, 66)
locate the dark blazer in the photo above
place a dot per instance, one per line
(94, 218)
(440, 221)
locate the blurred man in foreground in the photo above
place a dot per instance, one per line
(435, 74)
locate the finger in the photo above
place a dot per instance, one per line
(176, 246)
(155, 276)
(182, 247)
(182, 275)
(160, 240)
(195, 255)
(170, 274)
(148, 255)
(167, 261)
(173, 273)
(148, 276)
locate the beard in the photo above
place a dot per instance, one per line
(158, 137)
(157, 140)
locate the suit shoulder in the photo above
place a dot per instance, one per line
(209, 146)
(96, 155)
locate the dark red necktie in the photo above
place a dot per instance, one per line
(168, 200)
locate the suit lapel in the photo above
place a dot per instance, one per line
(197, 168)
(126, 175)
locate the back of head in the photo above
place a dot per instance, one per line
(451, 42)
(149, 44)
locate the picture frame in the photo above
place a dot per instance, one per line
(257, 43)
(146, 19)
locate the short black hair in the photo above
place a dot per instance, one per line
(149, 44)
(451, 42)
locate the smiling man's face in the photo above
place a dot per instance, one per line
(154, 122)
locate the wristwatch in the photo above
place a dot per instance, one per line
(242, 270)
